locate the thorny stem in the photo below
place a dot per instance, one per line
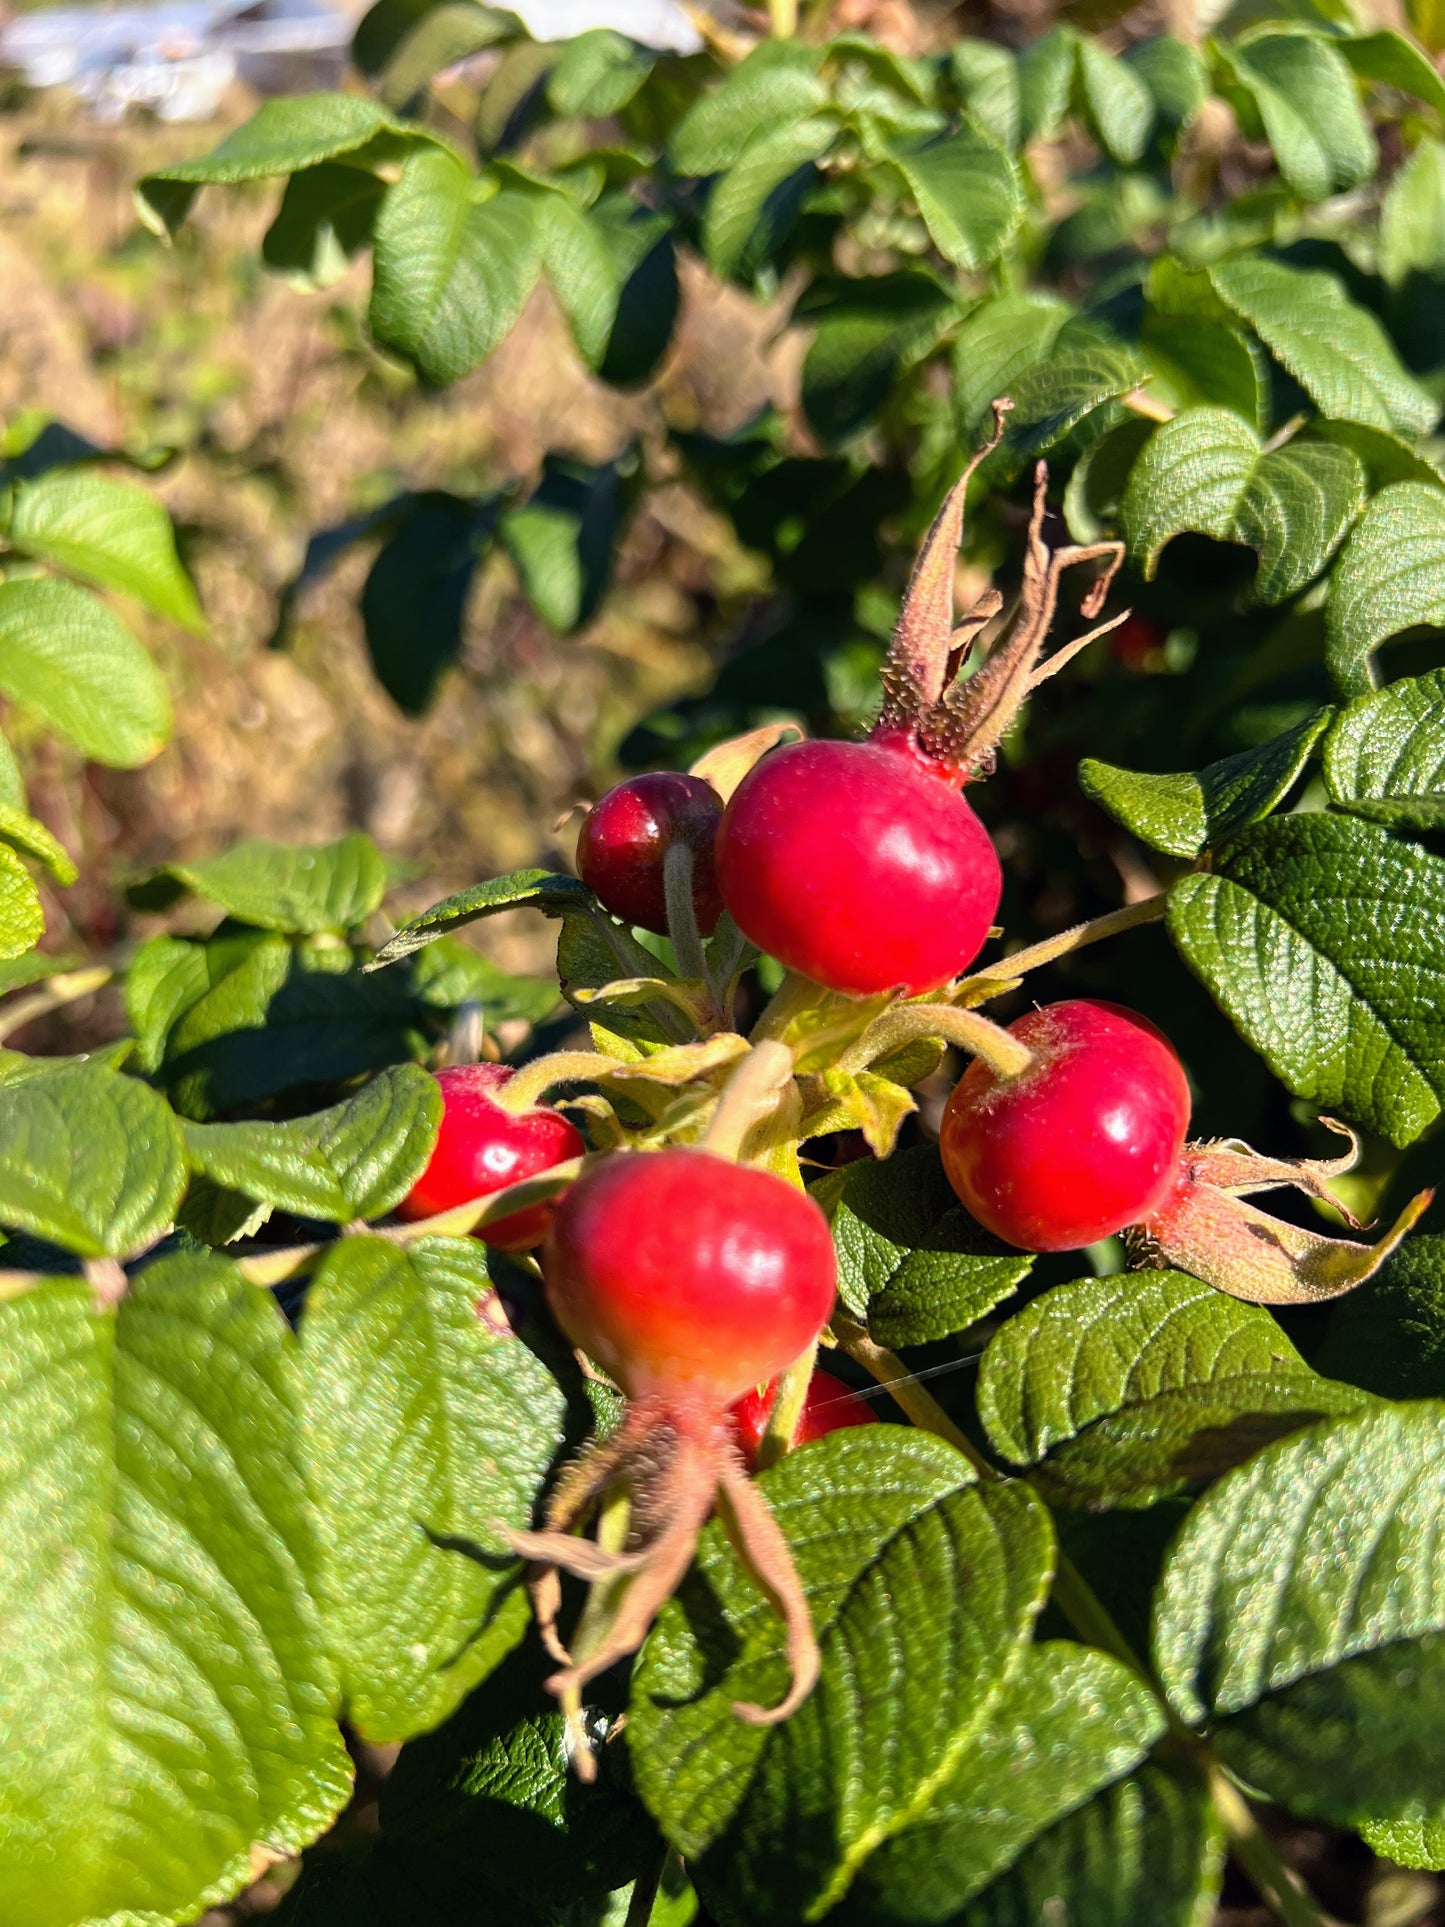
(521, 1091)
(750, 1094)
(1003, 975)
(67, 988)
(677, 869)
(965, 1028)
(1091, 1619)
(792, 1395)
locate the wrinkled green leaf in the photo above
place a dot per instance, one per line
(868, 332)
(1390, 577)
(777, 84)
(167, 1719)
(1059, 393)
(967, 192)
(287, 886)
(1389, 1336)
(22, 920)
(754, 204)
(1002, 338)
(1115, 101)
(542, 889)
(423, 1427)
(1322, 938)
(598, 74)
(1412, 219)
(1385, 755)
(1305, 96)
(65, 656)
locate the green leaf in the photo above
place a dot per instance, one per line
(1002, 338)
(754, 204)
(1301, 1612)
(922, 1585)
(22, 920)
(1385, 755)
(1386, 458)
(563, 538)
(356, 1160)
(167, 1725)
(283, 137)
(442, 37)
(423, 1429)
(1205, 362)
(1206, 471)
(1174, 74)
(12, 783)
(598, 74)
(326, 217)
(583, 272)
(987, 78)
(31, 838)
(543, 890)
(449, 973)
(290, 886)
(1058, 394)
(1147, 1848)
(775, 85)
(451, 271)
(1115, 101)
(1389, 57)
(65, 656)
(967, 191)
(1322, 938)
(1122, 1389)
(1306, 99)
(1187, 813)
(911, 1262)
(1390, 577)
(869, 331)
(1412, 219)
(1046, 78)
(641, 245)
(414, 602)
(1336, 350)
(107, 532)
(1072, 1723)
(91, 1160)
(1389, 1336)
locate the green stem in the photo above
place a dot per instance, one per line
(1092, 1621)
(783, 18)
(677, 869)
(521, 1091)
(793, 996)
(965, 1028)
(752, 1092)
(1005, 974)
(644, 1895)
(792, 1396)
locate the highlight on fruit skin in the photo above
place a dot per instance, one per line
(1083, 1142)
(688, 1279)
(482, 1148)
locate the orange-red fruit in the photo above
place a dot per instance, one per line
(1085, 1141)
(686, 1277)
(625, 839)
(859, 867)
(830, 1406)
(481, 1148)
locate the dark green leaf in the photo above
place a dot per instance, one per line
(91, 1160)
(1203, 362)
(868, 332)
(326, 216)
(440, 38)
(640, 242)
(1302, 1611)
(1389, 57)
(414, 604)
(66, 657)
(1385, 755)
(106, 532)
(922, 1584)
(1322, 938)
(1000, 340)
(167, 1725)
(755, 203)
(1072, 1723)
(1389, 1335)
(1390, 577)
(563, 539)
(1412, 219)
(911, 1262)
(967, 191)
(423, 1429)
(1187, 813)
(1055, 395)
(1122, 1389)
(452, 269)
(356, 1160)
(542, 889)
(1174, 74)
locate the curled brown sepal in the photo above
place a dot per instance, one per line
(1205, 1227)
(958, 726)
(672, 1471)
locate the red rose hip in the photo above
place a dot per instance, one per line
(481, 1148)
(625, 839)
(1085, 1141)
(688, 1278)
(858, 866)
(830, 1406)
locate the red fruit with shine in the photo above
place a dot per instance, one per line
(688, 1278)
(481, 1148)
(624, 843)
(1085, 1141)
(858, 866)
(830, 1406)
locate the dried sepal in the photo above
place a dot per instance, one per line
(726, 764)
(1205, 1227)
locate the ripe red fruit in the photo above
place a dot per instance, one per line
(689, 1278)
(829, 1407)
(1083, 1142)
(858, 866)
(624, 843)
(481, 1148)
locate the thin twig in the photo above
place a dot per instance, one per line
(1005, 974)
(67, 988)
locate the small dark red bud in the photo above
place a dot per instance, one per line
(625, 839)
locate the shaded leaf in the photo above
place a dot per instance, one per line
(1390, 577)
